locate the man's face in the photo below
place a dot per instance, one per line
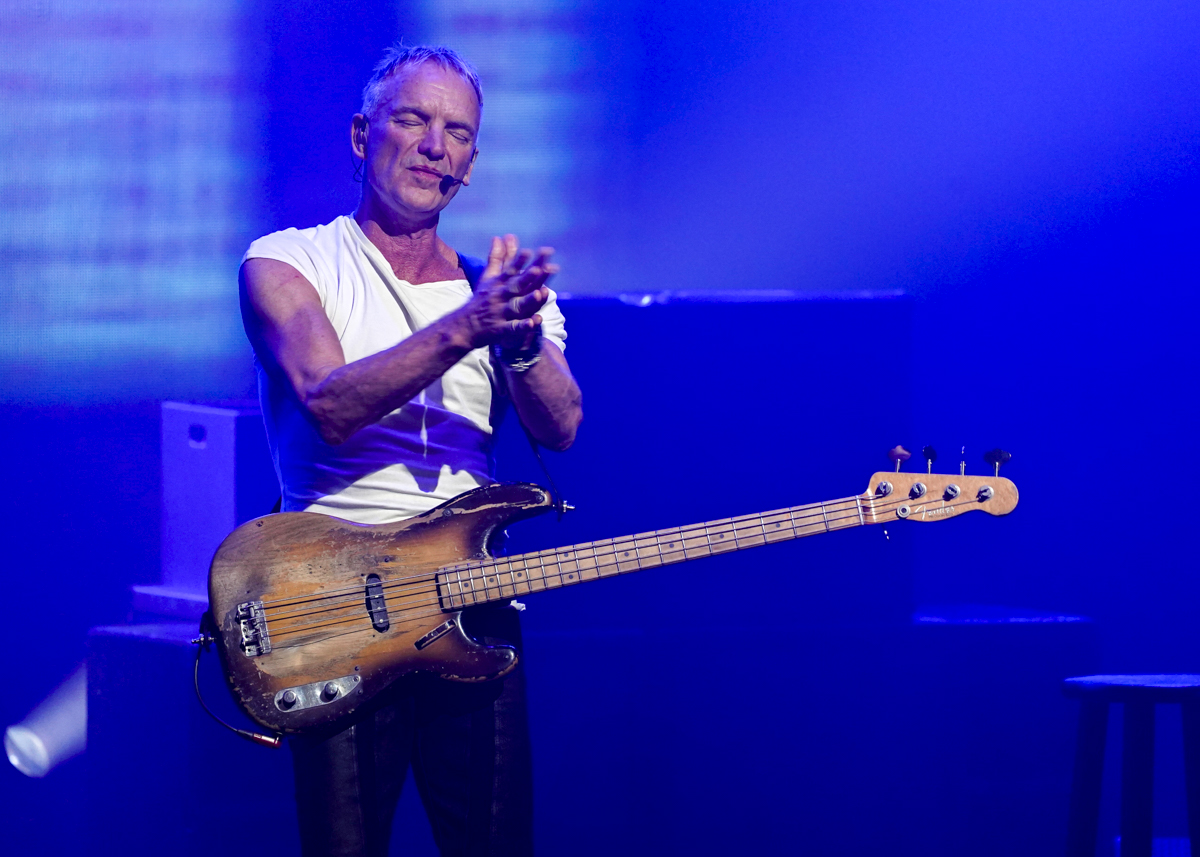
(423, 129)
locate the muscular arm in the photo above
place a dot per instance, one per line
(547, 399)
(292, 335)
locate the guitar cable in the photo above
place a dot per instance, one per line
(201, 643)
(560, 505)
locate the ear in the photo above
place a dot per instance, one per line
(358, 136)
(466, 179)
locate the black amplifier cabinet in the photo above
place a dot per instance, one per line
(163, 777)
(708, 405)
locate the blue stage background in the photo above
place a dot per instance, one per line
(1026, 175)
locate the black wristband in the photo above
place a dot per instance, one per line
(519, 360)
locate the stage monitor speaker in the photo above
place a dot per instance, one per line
(163, 778)
(216, 474)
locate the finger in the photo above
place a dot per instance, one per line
(517, 265)
(528, 305)
(495, 260)
(526, 282)
(511, 246)
(542, 258)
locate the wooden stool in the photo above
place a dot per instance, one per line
(1139, 694)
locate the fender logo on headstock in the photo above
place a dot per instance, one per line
(941, 511)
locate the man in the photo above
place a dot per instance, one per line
(383, 358)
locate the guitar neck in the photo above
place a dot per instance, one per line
(485, 581)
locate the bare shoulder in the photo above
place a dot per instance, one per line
(268, 282)
(284, 319)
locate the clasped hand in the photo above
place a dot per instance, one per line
(504, 309)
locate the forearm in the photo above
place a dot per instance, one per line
(547, 399)
(358, 394)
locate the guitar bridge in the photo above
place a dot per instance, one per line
(252, 620)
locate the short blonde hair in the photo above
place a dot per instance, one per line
(399, 56)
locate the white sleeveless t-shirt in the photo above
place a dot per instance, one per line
(436, 446)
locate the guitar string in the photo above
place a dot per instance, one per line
(616, 545)
(354, 592)
(603, 560)
(431, 592)
(791, 509)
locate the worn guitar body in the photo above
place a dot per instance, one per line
(328, 646)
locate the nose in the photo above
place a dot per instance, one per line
(433, 143)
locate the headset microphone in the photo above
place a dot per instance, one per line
(449, 182)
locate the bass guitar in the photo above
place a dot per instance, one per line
(315, 616)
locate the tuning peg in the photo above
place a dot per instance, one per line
(899, 455)
(997, 457)
(962, 465)
(930, 457)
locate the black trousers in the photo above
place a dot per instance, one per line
(468, 745)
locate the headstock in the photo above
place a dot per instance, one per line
(937, 496)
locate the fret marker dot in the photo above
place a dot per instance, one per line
(626, 553)
(570, 577)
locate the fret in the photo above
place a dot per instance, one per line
(586, 563)
(508, 579)
(603, 553)
(491, 582)
(647, 548)
(567, 573)
(695, 542)
(846, 515)
(590, 561)
(540, 580)
(670, 547)
(571, 562)
(566, 576)
(609, 561)
(475, 576)
(625, 556)
(494, 580)
(521, 578)
(810, 523)
(466, 589)
(531, 574)
(749, 532)
(567, 564)
(459, 587)
(777, 527)
(538, 569)
(719, 542)
(455, 591)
